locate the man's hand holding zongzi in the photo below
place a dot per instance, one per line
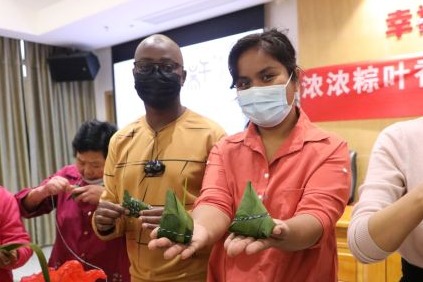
(150, 219)
(105, 216)
(200, 238)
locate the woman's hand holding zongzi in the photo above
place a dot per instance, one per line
(297, 233)
(88, 194)
(235, 245)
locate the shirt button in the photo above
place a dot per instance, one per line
(83, 255)
(85, 232)
(266, 175)
(89, 213)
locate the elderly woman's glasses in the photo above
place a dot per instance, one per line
(148, 67)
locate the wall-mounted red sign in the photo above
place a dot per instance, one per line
(381, 89)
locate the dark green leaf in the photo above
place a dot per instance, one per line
(176, 223)
(41, 258)
(133, 205)
(251, 218)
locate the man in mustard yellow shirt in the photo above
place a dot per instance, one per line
(157, 152)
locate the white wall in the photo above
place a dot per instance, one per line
(282, 14)
(103, 81)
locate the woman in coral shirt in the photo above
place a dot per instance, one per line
(300, 173)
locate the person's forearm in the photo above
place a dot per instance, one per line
(34, 198)
(214, 221)
(389, 227)
(304, 231)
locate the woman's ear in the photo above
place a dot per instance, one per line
(297, 79)
(297, 73)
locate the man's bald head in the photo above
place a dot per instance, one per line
(159, 47)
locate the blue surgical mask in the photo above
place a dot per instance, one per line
(265, 106)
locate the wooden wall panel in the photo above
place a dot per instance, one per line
(332, 32)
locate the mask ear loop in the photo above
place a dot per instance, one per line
(296, 98)
(289, 80)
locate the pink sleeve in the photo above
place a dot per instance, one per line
(12, 229)
(69, 172)
(384, 184)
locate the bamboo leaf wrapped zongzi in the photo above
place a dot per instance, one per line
(133, 205)
(176, 223)
(251, 218)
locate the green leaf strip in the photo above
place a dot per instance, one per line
(41, 258)
(175, 233)
(244, 218)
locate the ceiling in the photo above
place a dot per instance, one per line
(95, 24)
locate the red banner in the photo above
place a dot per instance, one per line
(386, 89)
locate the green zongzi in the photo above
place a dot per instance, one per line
(251, 218)
(176, 223)
(133, 205)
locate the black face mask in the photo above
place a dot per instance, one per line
(158, 89)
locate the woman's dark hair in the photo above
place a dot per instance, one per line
(273, 42)
(94, 136)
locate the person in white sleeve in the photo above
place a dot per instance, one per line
(388, 215)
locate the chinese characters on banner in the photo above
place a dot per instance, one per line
(400, 22)
(385, 89)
